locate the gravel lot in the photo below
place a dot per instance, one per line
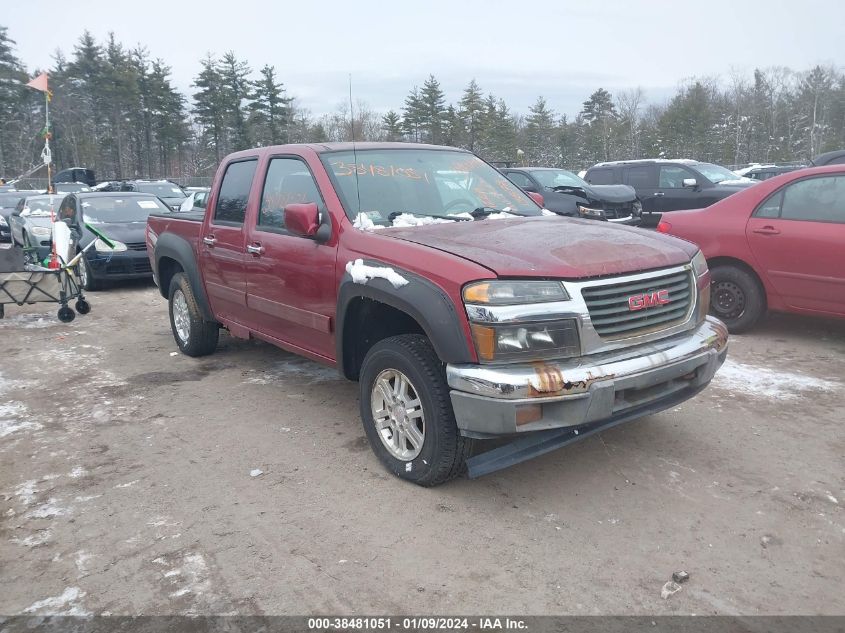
(125, 474)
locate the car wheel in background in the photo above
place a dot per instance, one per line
(194, 335)
(407, 412)
(736, 297)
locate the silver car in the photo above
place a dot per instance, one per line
(31, 222)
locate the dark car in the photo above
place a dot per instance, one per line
(169, 192)
(764, 172)
(196, 200)
(8, 201)
(76, 174)
(567, 194)
(669, 185)
(121, 217)
(836, 157)
(70, 187)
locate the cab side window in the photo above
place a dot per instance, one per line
(641, 176)
(234, 192)
(601, 177)
(288, 181)
(520, 180)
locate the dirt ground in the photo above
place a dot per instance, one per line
(127, 488)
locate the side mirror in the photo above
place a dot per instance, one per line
(538, 198)
(302, 219)
(690, 183)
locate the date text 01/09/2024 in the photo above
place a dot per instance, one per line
(430, 623)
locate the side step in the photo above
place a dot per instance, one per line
(541, 442)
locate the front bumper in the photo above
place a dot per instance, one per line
(493, 400)
(124, 265)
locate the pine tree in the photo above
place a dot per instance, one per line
(270, 109)
(599, 114)
(392, 126)
(12, 102)
(540, 132)
(412, 115)
(472, 113)
(210, 107)
(235, 88)
(432, 110)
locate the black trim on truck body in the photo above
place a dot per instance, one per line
(182, 252)
(420, 299)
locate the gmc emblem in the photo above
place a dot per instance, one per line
(648, 300)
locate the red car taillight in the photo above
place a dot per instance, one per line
(663, 226)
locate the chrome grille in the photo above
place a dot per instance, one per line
(136, 246)
(612, 316)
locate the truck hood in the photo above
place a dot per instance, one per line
(566, 248)
(600, 193)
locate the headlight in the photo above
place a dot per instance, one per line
(43, 231)
(587, 212)
(101, 247)
(3, 221)
(526, 341)
(699, 264)
(502, 293)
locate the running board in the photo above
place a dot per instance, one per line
(542, 442)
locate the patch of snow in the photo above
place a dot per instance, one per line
(10, 421)
(547, 212)
(365, 223)
(408, 219)
(60, 605)
(34, 540)
(738, 181)
(193, 575)
(768, 383)
(501, 216)
(128, 484)
(296, 368)
(47, 510)
(88, 498)
(28, 321)
(361, 273)
(78, 472)
(255, 472)
(26, 491)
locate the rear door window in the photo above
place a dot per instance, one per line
(520, 180)
(641, 176)
(815, 200)
(602, 176)
(234, 192)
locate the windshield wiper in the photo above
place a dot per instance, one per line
(483, 212)
(396, 214)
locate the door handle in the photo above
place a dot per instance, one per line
(255, 249)
(767, 230)
(209, 240)
(659, 194)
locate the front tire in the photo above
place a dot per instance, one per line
(86, 275)
(407, 413)
(194, 335)
(736, 298)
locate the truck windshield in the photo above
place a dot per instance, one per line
(716, 173)
(161, 189)
(119, 209)
(552, 178)
(383, 184)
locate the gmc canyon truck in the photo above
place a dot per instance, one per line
(464, 310)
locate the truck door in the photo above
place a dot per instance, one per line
(222, 243)
(291, 293)
(643, 178)
(796, 236)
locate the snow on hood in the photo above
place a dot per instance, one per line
(739, 181)
(361, 273)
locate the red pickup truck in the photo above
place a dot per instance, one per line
(463, 309)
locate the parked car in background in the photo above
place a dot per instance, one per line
(777, 246)
(31, 222)
(669, 185)
(8, 201)
(120, 216)
(764, 172)
(76, 174)
(196, 200)
(836, 157)
(70, 187)
(169, 192)
(567, 194)
(397, 264)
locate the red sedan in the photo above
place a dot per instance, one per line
(779, 246)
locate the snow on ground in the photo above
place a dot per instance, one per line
(295, 368)
(361, 273)
(10, 419)
(768, 383)
(65, 604)
(29, 321)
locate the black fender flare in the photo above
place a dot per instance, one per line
(420, 299)
(182, 252)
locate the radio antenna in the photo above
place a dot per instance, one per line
(354, 151)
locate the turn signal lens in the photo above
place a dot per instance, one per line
(485, 341)
(505, 292)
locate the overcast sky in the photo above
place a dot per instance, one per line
(556, 48)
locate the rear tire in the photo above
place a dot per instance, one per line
(194, 335)
(415, 437)
(86, 275)
(736, 298)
